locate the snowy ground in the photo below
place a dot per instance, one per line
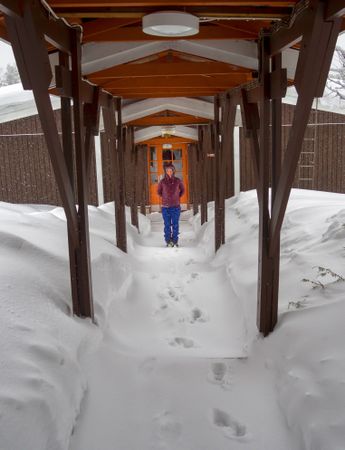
(175, 361)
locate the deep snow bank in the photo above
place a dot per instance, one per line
(306, 349)
(42, 383)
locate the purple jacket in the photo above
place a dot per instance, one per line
(170, 189)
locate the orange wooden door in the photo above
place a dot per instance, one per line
(158, 156)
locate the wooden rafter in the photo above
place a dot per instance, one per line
(168, 118)
(135, 33)
(174, 81)
(157, 69)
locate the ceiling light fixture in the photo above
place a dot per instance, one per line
(168, 131)
(170, 24)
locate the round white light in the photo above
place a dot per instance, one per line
(170, 24)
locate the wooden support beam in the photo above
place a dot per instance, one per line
(276, 162)
(3, 31)
(31, 58)
(335, 9)
(27, 39)
(120, 171)
(63, 88)
(142, 178)
(91, 123)
(115, 141)
(193, 164)
(227, 175)
(166, 93)
(286, 37)
(219, 160)
(176, 81)
(203, 173)
(11, 9)
(56, 31)
(158, 69)
(136, 34)
(83, 250)
(134, 171)
(265, 322)
(314, 56)
(68, 151)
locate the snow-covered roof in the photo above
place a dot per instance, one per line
(15, 103)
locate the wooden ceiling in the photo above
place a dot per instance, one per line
(172, 74)
(169, 73)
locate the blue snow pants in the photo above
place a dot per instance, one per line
(171, 218)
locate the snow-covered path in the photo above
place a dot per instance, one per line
(172, 371)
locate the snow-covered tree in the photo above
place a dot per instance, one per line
(336, 76)
(10, 76)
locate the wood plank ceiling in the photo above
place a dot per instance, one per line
(170, 73)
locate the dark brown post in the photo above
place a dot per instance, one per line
(264, 317)
(33, 63)
(116, 146)
(196, 178)
(133, 180)
(142, 174)
(228, 144)
(192, 168)
(209, 159)
(68, 150)
(203, 175)
(66, 124)
(83, 252)
(91, 123)
(120, 211)
(317, 48)
(219, 196)
(275, 174)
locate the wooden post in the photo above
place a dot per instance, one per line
(33, 63)
(68, 151)
(133, 179)
(112, 132)
(120, 210)
(83, 252)
(196, 178)
(275, 171)
(203, 175)
(219, 196)
(141, 150)
(264, 316)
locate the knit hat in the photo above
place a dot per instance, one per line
(169, 166)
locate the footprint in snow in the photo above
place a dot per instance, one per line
(220, 374)
(193, 276)
(190, 261)
(198, 316)
(182, 342)
(231, 428)
(167, 429)
(147, 366)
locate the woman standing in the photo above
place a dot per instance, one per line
(171, 189)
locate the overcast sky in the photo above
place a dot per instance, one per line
(6, 54)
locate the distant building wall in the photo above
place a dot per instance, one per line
(26, 173)
(322, 162)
